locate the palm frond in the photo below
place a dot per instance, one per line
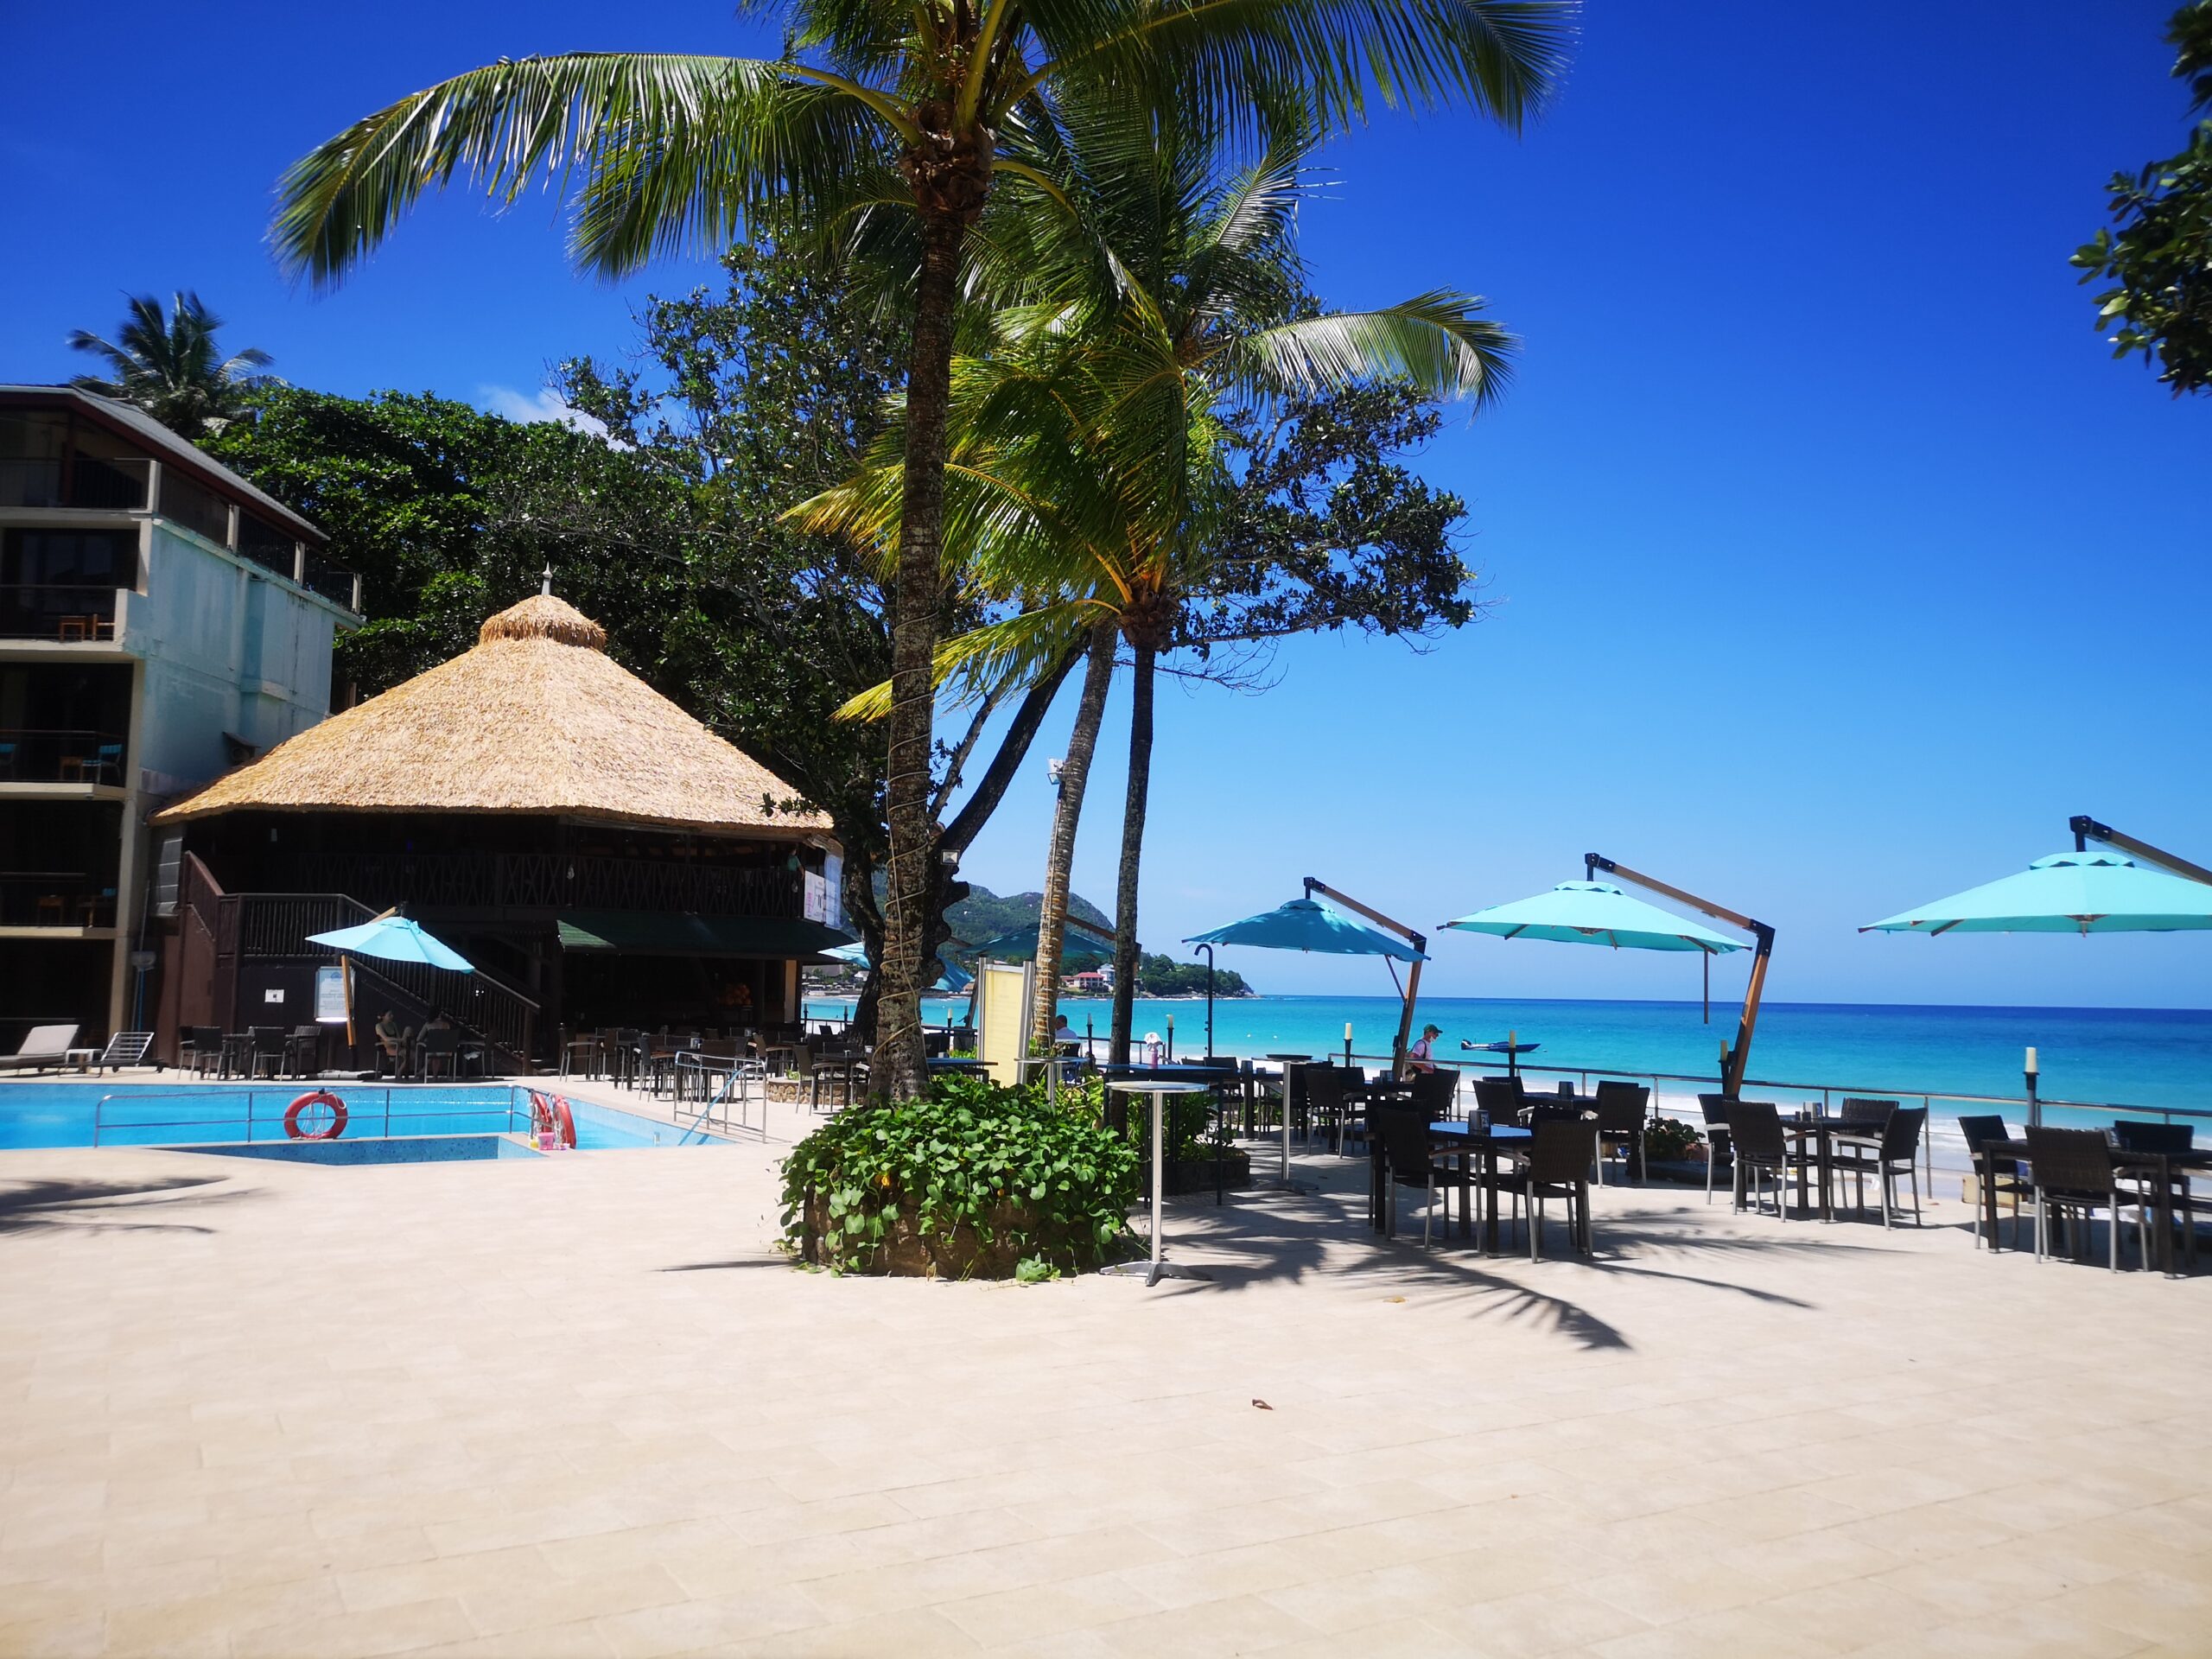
(1437, 341)
(696, 139)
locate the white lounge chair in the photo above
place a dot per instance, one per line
(46, 1048)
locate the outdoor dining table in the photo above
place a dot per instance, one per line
(1467, 1140)
(1185, 1073)
(1825, 1132)
(2159, 1167)
(1156, 1267)
(1287, 1061)
(946, 1063)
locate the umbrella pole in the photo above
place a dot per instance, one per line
(1406, 1020)
(346, 978)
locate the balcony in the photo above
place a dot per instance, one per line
(69, 612)
(551, 881)
(55, 899)
(97, 483)
(61, 757)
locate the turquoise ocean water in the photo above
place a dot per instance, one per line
(2131, 1056)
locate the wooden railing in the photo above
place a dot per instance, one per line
(552, 881)
(274, 927)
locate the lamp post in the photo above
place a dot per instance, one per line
(2035, 1106)
(1208, 949)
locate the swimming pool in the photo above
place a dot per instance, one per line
(400, 1149)
(105, 1114)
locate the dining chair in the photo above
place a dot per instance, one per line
(1408, 1160)
(1498, 1099)
(1624, 1112)
(303, 1052)
(2072, 1171)
(1434, 1091)
(436, 1046)
(1760, 1149)
(1557, 1166)
(269, 1044)
(2137, 1134)
(1325, 1095)
(1717, 1139)
(1897, 1155)
(1992, 1170)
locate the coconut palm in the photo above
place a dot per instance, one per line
(1086, 462)
(916, 107)
(170, 366)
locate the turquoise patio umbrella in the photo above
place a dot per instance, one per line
(1080, 947)
(1309, 925)
(953, 977)
(1595, 913)
(852, 956)
(2101, 891)
(394, 938)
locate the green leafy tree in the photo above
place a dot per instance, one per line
(1161, 976)
(171, 368)
(1200, 460)
(2159, 254)
(926, 113)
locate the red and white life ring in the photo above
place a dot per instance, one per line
(549, 1115)
(319, 1097)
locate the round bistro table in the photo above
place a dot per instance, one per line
(1156, 1267)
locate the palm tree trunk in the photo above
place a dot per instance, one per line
(1133, 813)
(899, 1069)
(1075, 776)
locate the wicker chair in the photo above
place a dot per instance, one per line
(1716, 1137)
(2135, 1135)
(1434, 1091)
(1557, 1166)
(1324, 1096)
(204, 1051)
(1624, 1111)
(1407, 1160)
(1761, 1147)
(1857, 1108)
(2072, 1170)
(1895, 1156)
(2003, 1173)
(1499, 1099)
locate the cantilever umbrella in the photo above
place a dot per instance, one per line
(388, 937)
(1595, 913)
(1080, 947)
(1308, 925)
(2101, 891)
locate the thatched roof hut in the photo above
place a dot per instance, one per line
(535, 719)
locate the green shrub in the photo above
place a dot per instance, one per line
(1669, 1140)
(967, 1183)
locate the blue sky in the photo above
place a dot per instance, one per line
(1832, 564)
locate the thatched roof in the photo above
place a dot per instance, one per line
(537, 718)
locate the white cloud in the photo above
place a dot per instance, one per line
(544, 405)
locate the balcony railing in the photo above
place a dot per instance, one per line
(60, 756)
(110, 484)
(552, 881)
(54, 899)
(70, 611)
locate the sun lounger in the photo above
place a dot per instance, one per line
(127, 1048)
(46, 1049)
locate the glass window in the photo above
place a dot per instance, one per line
(31, 450)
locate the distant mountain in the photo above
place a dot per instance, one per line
(985, 915)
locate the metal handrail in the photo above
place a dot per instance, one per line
(515, 1108)
(714, 1104)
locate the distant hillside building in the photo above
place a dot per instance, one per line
(160, 619)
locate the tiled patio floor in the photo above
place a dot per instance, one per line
(580, 1406)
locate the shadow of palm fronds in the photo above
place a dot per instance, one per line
(33, 1205)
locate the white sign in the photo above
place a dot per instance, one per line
(273, 994)
(330, 995)
(833, 879)
(817, 898)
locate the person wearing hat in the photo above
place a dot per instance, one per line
(1420, 1056)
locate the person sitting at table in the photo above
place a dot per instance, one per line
(391, 1038)
(1421, 1056)
(1064, 1033)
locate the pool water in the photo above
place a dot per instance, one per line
(400, 1149)
(107, 1114)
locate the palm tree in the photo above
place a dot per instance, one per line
(1086, 466)
(917, 107)
(170, 367)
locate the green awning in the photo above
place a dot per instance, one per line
(678, 933)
